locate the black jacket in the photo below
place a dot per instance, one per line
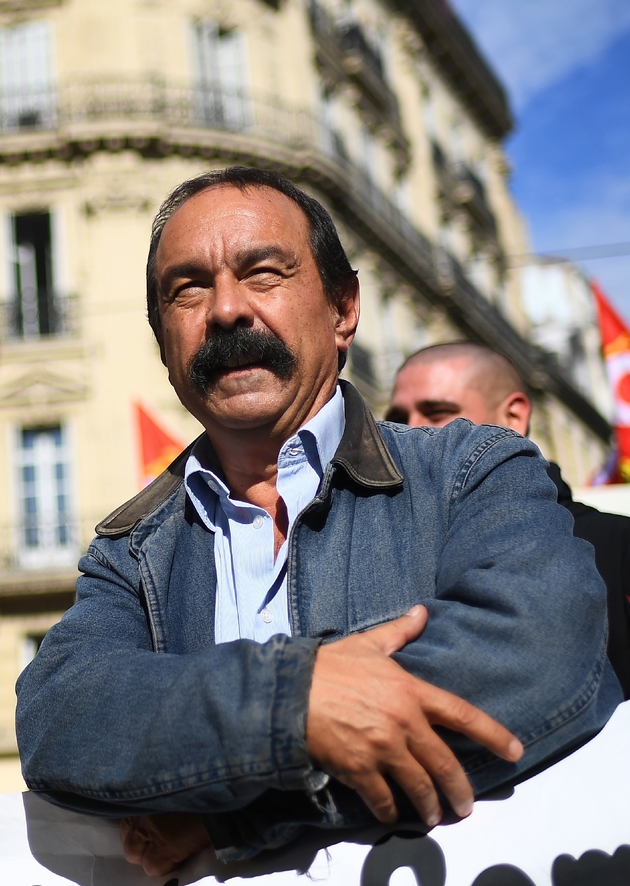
(610, 536)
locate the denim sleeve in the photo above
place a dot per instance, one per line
(518, 622)
(106, 725)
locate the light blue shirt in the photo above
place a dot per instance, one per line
(251, 599)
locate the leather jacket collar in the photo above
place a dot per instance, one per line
(362, 454)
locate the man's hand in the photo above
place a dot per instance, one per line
(160, 842)
(368, 718)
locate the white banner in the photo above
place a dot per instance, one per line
(568, 826)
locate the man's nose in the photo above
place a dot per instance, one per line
(229, 304)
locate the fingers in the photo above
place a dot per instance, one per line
(445, 709)
(427, 762)
(142, 846)
(418, 765)
(134, 842)
(377, 796)
(438, 766)
(369, 719)
(161, 842)
(418, 781)
(389, 638)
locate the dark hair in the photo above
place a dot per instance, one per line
(331, 260)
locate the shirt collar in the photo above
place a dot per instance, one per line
(322, 435)
(324, 430)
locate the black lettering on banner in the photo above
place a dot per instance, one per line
(404, 849)
(594, 868)
(408, 849)
(503, 875)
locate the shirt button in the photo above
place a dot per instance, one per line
(258, 521)
(266, 616)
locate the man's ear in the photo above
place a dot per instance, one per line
(347, 312)
(515, 411)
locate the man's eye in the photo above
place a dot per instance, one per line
(397, 415)
(185, 291)
(442, 415)
(258, 273)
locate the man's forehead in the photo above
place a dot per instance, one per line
(218, 203)
(460, 371)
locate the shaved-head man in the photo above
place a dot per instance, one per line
(459, 380)
(438, 384)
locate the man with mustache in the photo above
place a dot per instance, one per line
(266, 638)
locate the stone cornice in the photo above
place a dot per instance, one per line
(290, 142)
(456, 54)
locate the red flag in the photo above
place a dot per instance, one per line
(158, 448)
(616, 345)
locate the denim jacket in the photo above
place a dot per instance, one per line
(130, 707)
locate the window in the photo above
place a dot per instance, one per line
(46, 535)
(429, 113)
(219, 60)
(362, 365)
(35, 309)
(368, 159)
(27, 93)
(331, 141)
(29, 647)
(458, 147)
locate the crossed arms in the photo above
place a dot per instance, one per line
(367, 719)
(214, 727)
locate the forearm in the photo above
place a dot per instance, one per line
(518, 622)
(102, 716)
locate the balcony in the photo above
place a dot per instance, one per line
(345, 54)
(41, 543)
(155, 119)
(26, 110)
(455, 52)
(364, 65)
(458, 186)
(470, 193)
(29, 316)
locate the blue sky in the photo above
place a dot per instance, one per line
(566, 66)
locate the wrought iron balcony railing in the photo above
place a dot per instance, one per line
(136, 112)
(44, 542)
(154, 117)
(459, 186)
(33, 108)
(471, 193)
(460, 60)
(353, 40)
(350, 54)
(29, 316)
(204, 104)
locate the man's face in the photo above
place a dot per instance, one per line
(436, 393)
(241, 262)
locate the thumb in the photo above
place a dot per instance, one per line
(391, 637)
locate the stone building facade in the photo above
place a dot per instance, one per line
(383, 109)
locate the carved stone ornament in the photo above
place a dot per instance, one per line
(20, 9)
(39, 387)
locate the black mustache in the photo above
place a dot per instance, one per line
(245, 344)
